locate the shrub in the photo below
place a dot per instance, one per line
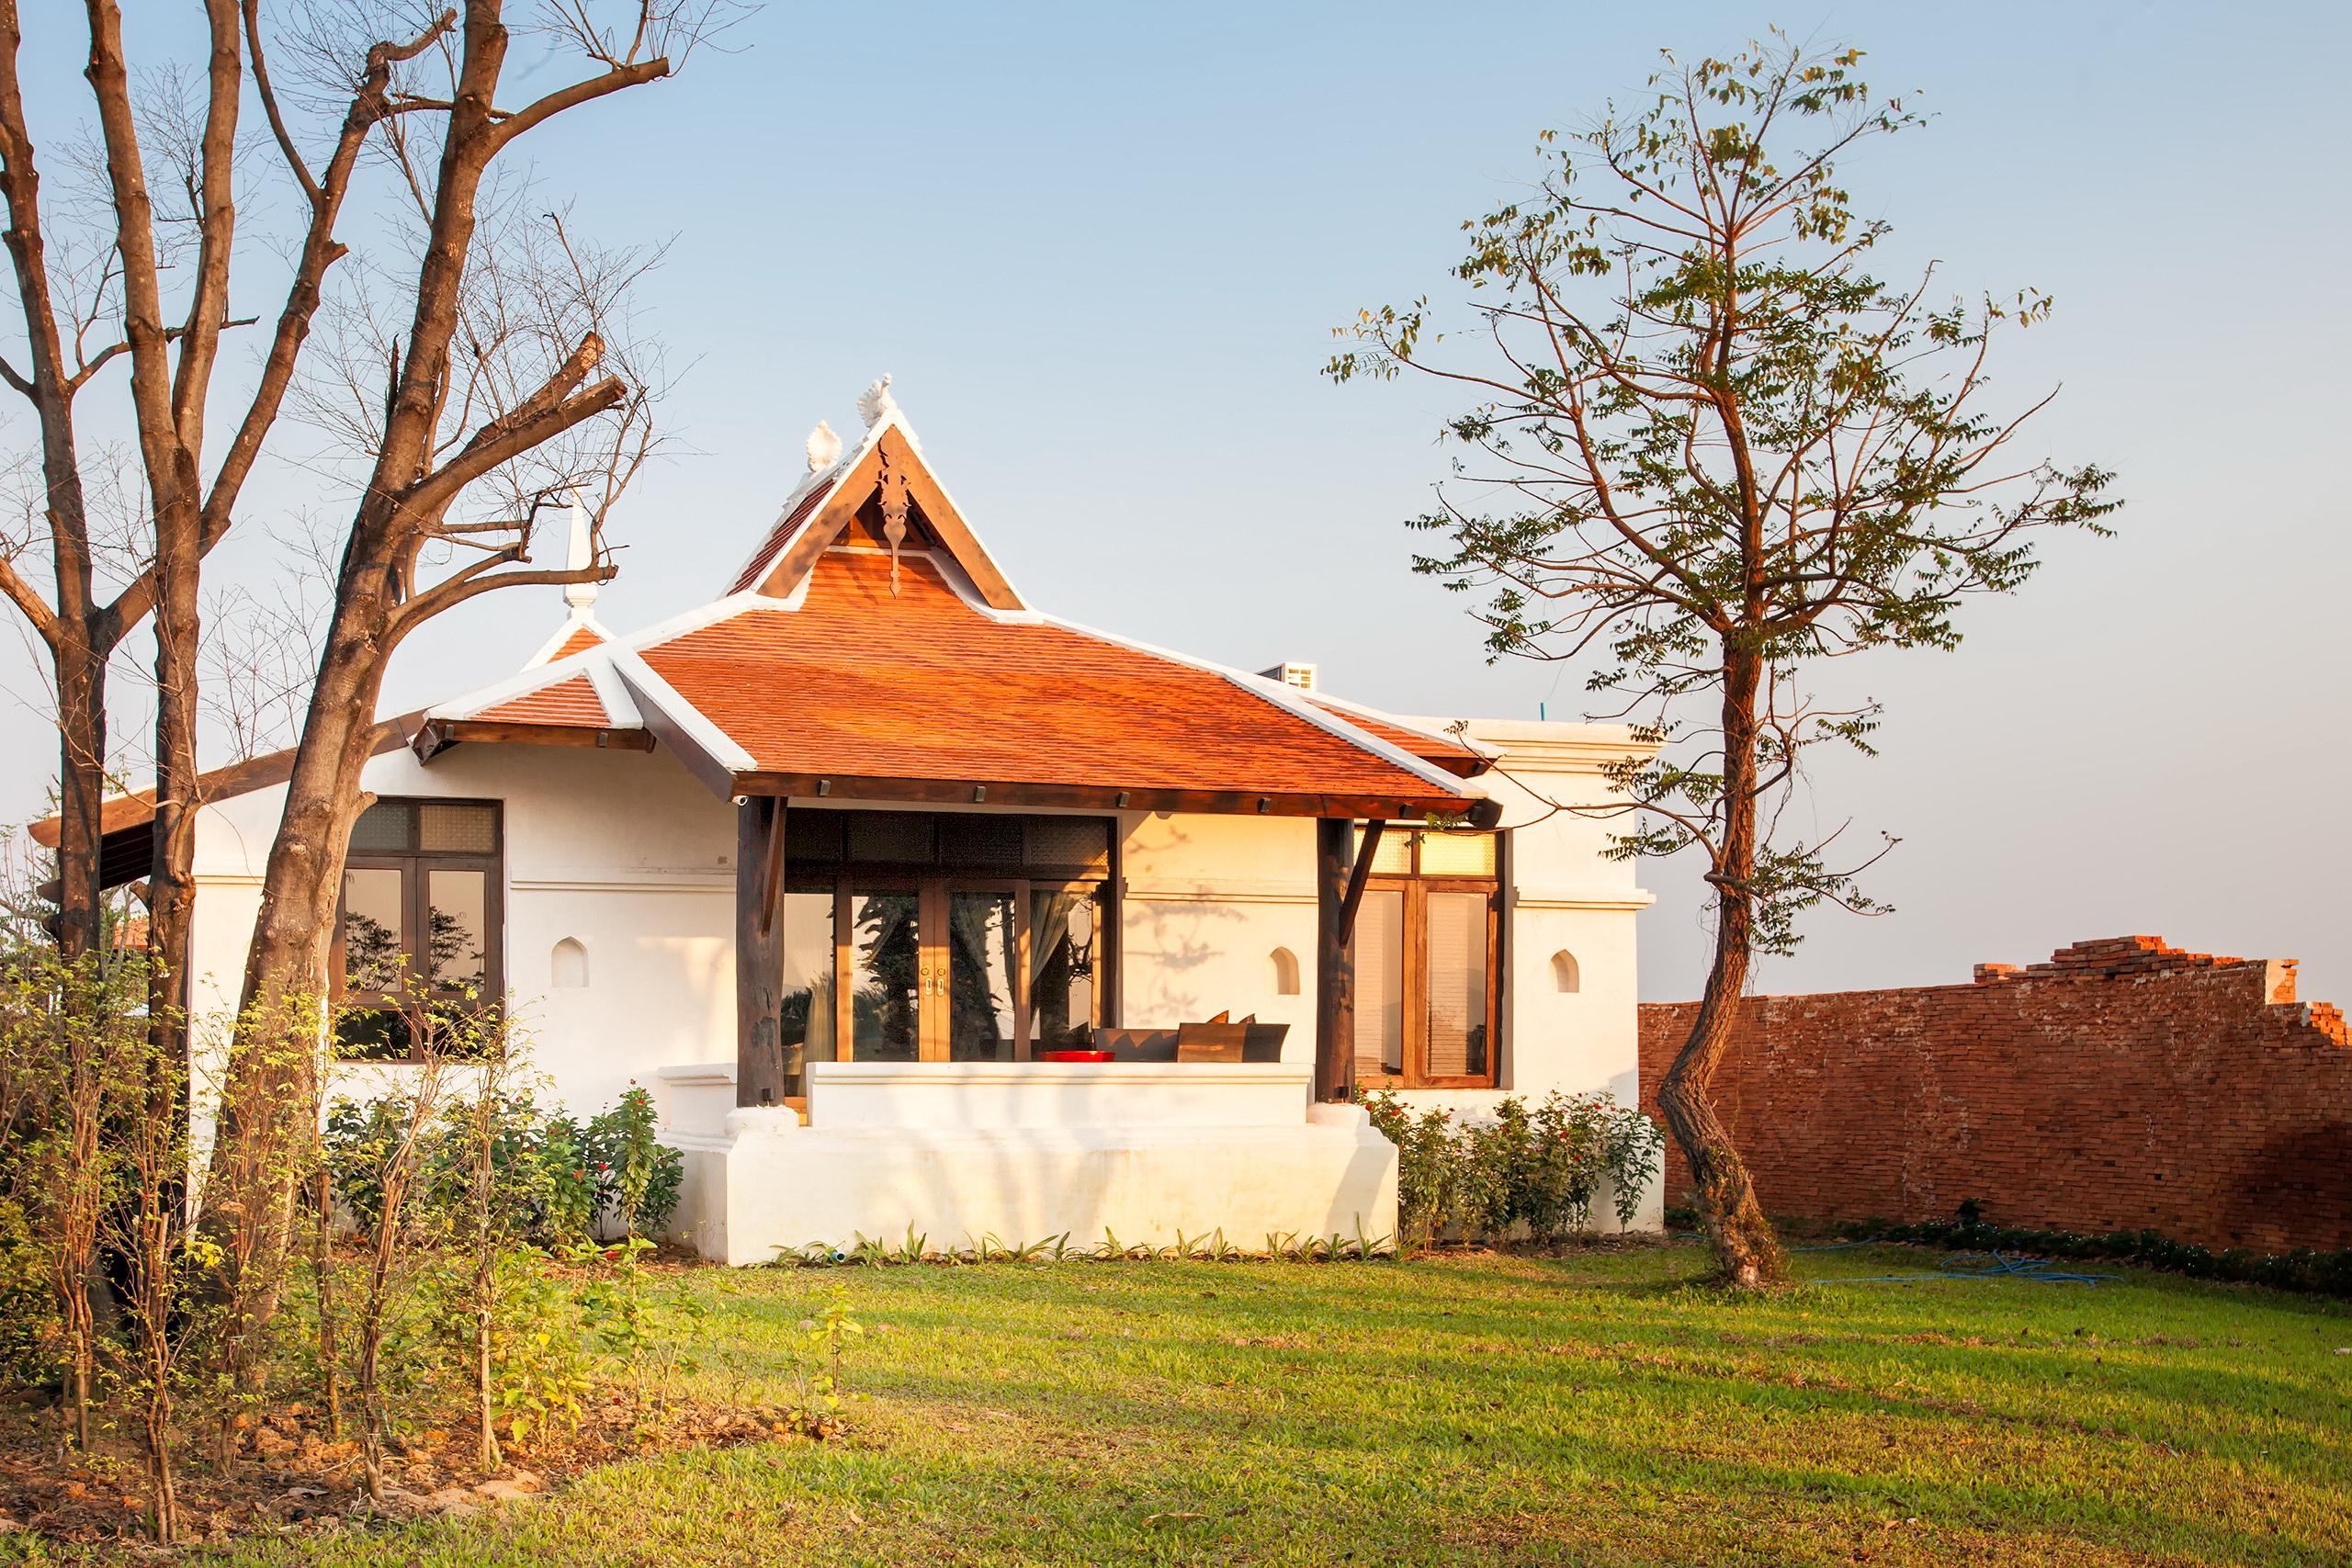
(28, 1324)
(1541, 1166)
(637, 1179)
(560, 1180)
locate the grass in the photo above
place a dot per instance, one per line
(1488, 1408)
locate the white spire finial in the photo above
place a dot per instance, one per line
(875, 403)
(580, 557)
(824, 448)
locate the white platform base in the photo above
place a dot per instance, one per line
(1021, 1153)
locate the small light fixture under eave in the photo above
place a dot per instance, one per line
(1124, 795)
(1265, 804)
(824, 786)
(980, 793)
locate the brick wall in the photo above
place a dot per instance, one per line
(2124, 1084)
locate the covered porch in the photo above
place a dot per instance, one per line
(931, 1048)
(933, 783)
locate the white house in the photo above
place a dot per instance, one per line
(902, 892)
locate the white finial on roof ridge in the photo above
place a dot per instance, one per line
(875, 403)
(580, 556)
(824, 448)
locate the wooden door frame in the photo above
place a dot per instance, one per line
(932, 983)
(1413, 984)
(940, 889)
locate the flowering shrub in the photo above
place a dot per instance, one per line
(638, 1179)
(1541, 1166)
(561, 1180)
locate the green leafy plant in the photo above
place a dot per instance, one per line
(540, 1369)
(638, 1177)
(1542, 1167)
(820, 1354)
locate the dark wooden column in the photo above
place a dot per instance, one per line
(1335, 971)
(759, 952)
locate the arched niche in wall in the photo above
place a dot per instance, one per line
(568, 965)
(1566, 976)
(1285, 964)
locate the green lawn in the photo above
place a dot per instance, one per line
(1501, 1409)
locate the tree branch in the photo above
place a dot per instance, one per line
(29, 600)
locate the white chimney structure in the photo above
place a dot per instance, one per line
(1291, 672)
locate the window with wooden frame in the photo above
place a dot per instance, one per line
(1427, 948)
(943, 936)
(420, 928)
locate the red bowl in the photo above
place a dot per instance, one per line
(1078, 1056)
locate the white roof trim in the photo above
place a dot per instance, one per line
(898, 417)
(620, 708)
(721, 746)
(1287, 699)
(579, 618)
(694, 620)
(764, 555)
(1413, 726)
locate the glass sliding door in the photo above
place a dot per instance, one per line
(888, 973)
(980, 928)
(1063, 941)
(935, 971)
(1455, 1031)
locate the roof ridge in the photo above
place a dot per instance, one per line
(1410, 726)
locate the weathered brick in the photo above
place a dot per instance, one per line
(2122, 1085)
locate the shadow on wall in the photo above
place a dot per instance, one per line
(1181, 940)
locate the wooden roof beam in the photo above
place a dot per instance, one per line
(1111, 797)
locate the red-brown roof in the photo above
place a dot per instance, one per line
(567, 702)
(921, 685)
(581, 640)
(791, 523)
(1443, 749)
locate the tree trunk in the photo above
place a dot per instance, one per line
(80, 788)
(163, 1494)
(1746, 1250)
(486, 1453)
(171, 887)
(80, 1332)
(323, 1282)
(276, 1047)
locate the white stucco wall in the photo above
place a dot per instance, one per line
(968, 1155)
(624, 853)
(629, 856)
(1209, 899)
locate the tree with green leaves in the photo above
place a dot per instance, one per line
(1708, 449)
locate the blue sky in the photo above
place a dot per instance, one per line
(1101, 249)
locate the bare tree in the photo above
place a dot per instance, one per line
(468, 387)
(496, 376)
(1709, 450)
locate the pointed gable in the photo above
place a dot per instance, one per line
(846, 507)
(577, 635)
